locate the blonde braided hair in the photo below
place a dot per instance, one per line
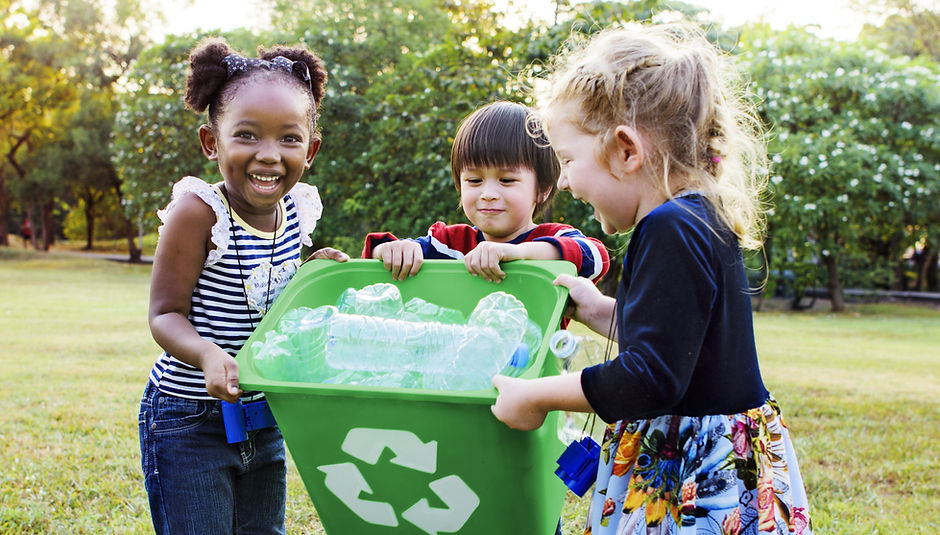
(671, 84)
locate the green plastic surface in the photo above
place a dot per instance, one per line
(381, 460)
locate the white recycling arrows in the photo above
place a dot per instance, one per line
(460, 500)
(346, 482)
(368, 444)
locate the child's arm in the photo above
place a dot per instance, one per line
(402, 257)
(524, 403)
(564, 242)
(178, 261)
(589, 255)
(484, 259)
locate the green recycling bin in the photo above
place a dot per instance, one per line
(382, 460)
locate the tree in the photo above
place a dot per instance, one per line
(909, 29)
(155, 141)
(59, 53)
(402, 74)
(855, 147)
(33, 85)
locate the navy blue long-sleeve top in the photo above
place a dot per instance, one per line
(684, 320)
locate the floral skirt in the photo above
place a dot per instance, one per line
(720, 474)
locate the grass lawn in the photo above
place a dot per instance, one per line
(859, 391)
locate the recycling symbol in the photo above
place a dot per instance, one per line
(366, 444)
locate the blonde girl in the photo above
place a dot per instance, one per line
(651, 129)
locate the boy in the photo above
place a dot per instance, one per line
(505, 178)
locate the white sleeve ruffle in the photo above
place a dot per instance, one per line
(221, 230)
(309, 209)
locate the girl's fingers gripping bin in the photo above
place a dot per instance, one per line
(380, 460)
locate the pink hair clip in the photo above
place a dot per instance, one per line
(716, 159)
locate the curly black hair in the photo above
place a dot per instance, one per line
(208, 85)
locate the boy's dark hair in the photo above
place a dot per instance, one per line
(496, 135)
(210, 86)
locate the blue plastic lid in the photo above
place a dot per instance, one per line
(520, 357)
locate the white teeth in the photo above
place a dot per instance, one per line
(262, 178)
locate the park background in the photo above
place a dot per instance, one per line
(93, 133)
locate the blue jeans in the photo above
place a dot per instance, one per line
(199, 483)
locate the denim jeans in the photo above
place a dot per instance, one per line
(197, 482)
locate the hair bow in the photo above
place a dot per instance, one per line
(235, 63)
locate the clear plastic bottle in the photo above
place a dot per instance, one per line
(368, 343)
(497, 327)
(532, 336)
(574, 354)
(485, 342)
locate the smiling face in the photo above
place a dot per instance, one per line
(263, 143)
(499, 202)
(614, 183)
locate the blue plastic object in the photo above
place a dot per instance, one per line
(240, 418)
(520, 357)
(577, 466)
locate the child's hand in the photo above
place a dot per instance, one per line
(329, 253)
(587, 304)
(221, 372)
(484, 259)
(515, 405)
(402, 257)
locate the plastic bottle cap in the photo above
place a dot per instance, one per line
(563, 344)
(520, 357)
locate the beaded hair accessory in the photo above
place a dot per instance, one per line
(235, 63)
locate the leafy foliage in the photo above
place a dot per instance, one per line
(854, 136)
(855, 149)
(154, 140)
(59, 63)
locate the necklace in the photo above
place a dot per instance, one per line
(238, 256)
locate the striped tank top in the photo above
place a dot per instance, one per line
(243, 274)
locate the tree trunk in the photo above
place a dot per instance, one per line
(134, 251)
(11, 158)
(930, 272)
(836, 296)
(89, 222)
(921, 258)
(48, 224)
(33, 238)
(900, 276)
(4, 211)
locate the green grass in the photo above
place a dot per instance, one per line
(858, 390)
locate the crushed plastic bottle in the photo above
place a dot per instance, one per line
(381, 300)
(417, 309)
